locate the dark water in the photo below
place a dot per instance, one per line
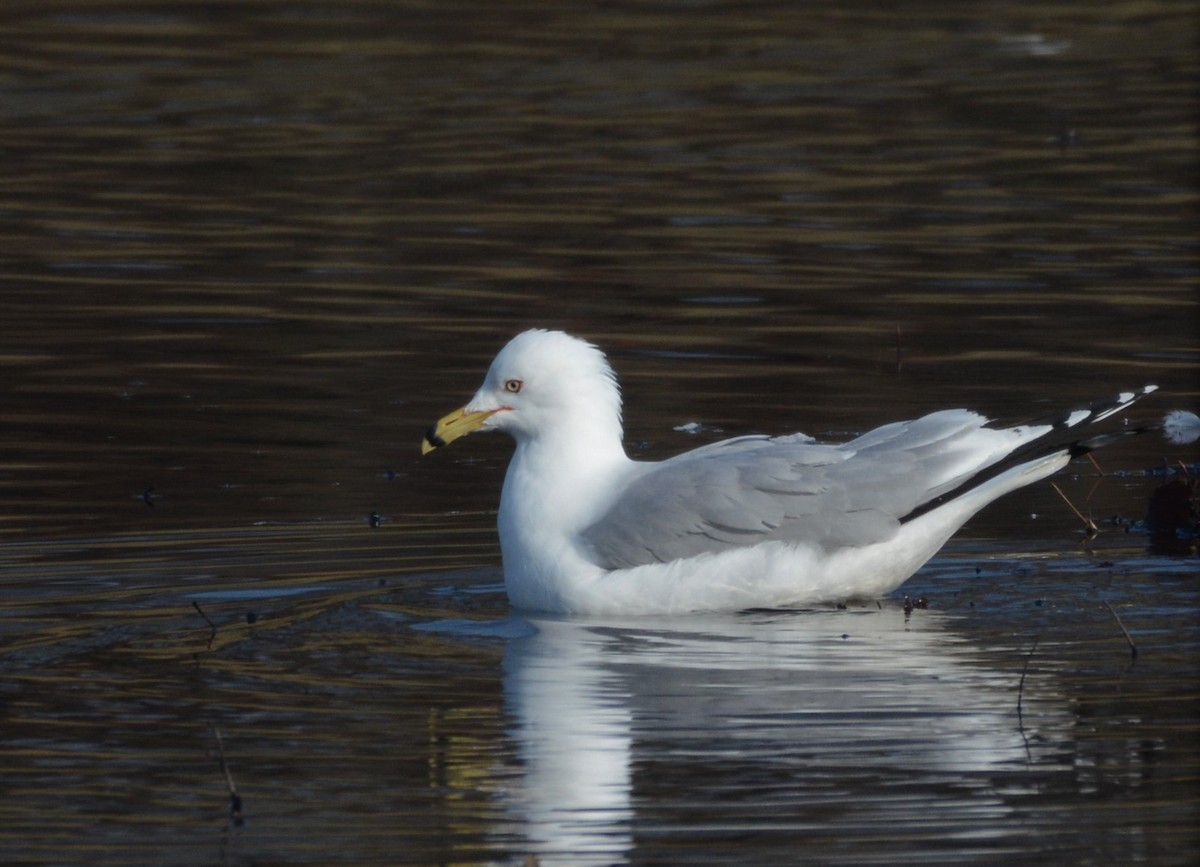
(250, 251)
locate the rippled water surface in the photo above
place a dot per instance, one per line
(252, 250)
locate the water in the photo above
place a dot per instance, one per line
(251, 253)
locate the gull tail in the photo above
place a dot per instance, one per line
(1066, 436)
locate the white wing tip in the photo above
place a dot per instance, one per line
(1128, 396)
(1103, 410)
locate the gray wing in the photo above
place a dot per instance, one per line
(755, 489)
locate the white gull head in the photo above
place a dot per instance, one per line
(543, 383)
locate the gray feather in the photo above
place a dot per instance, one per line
(756, 489)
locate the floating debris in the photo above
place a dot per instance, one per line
(1181, 427)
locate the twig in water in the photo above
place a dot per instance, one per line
(1020, 697)
(1132, 646)
(1087, 522)
(211, 625)
(1021, 686)
(235, 800)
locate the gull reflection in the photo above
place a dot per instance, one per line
(848, 714)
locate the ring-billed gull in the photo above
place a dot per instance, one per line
(754, 521)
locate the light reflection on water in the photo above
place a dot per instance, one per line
(384, 709)
(250, 253)
(816, 707)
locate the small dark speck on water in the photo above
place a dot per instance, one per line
(374, 519)
(251, 617)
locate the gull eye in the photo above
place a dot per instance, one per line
(513, 386)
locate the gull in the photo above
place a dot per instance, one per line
(749, 522)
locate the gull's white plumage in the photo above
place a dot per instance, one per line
(749, 522)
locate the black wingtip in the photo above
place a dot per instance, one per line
(1065, 434)
(1081, 417)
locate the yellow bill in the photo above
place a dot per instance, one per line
(450, 427)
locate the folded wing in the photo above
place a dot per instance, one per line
(755, 489)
